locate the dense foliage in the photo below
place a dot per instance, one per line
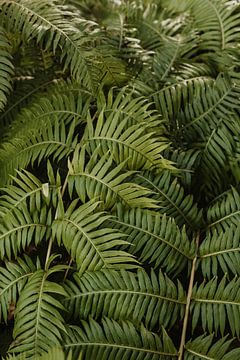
(119, 173)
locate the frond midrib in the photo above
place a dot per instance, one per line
(19, 228)
(200, 355)
(152, 235)
(139, 293)
(225, 251)
(14, 282)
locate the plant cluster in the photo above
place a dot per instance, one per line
(119, 173)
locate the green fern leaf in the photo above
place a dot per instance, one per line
(13, 278)
(91, 247)
(221, 251)
(119, 295)
(114, 341)
(171, 198)
(100, 180)
(156, 238)
(217, 304)
(37, 330)
(203, 348)
(6, 67)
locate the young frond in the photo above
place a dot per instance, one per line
(157, 239)
(91, 247)
(221, 251)
(204, 347)
(41, 328)
(50, 25)
(121, 295)
(171, 197)
(13, 278)
(6, 68)
(216, 305)
(114, 341)
(101, 179)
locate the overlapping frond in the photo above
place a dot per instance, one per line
(101, 179)
(91, 247)
(171, 197)
(112, 340)
(157, 239)
(216, 305)
(118, 295)
(13, 278)
(204, 347)
(6, 68)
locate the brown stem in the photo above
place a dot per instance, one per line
(189, 295)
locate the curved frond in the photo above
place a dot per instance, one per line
(13, 278)
(157, 239)
(101, 179)
(115, 341)
(120, 295)
(217, 305)
(6, 68)
(171, 197)
(38, 322)
(203, 347)
(91, 247)
(221, 250)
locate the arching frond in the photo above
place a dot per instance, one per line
(114, 341)
(100, 180)
(118, 295)
(38, 330)
(50, 25)
(216, 305)
(171, 197)
(13, 278)
(203, 347)
(157, 239)
(6, 68)
(221, 250)
(92, 248)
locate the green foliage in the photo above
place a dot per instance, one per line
(119, 173)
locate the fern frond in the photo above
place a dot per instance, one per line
(217, 102)
(114, 341)
(92, 248)
(98, 179)
(171, 197)
(217, 23)
(224, 212)
(55, 353)
(13, 278)
(19, 228)
(221, 250)
(6, 68)
(37, 330)
(137, 145)
(157, 239)
(203, 347)
(216, 305)
(120, 295)
(48, 24)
